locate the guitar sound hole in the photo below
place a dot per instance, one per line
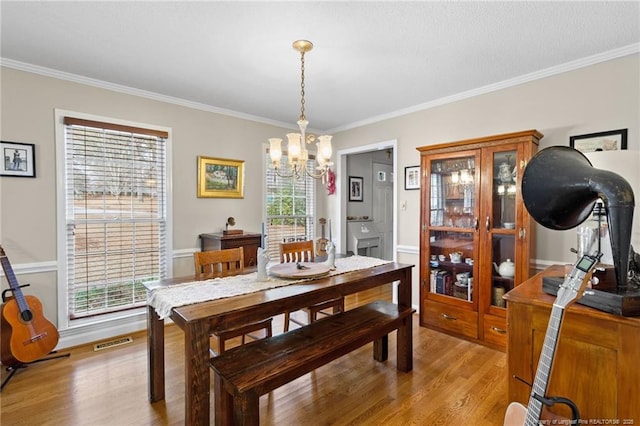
(26, 315)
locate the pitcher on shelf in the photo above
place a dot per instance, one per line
(506, 269)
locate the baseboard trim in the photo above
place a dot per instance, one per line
(89, 333)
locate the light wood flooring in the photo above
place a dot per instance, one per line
(453, 382)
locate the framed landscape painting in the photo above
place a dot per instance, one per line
(220, 178)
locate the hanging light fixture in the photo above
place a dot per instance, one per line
(297, 153)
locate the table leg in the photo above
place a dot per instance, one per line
(196, 380)
(404, 346)
(155, 351)
(404, 291)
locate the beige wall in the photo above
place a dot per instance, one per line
(28, 206)
(600, 97)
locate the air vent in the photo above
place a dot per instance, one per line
(112, 343)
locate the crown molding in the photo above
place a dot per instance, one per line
(537, 75)
(74, 78)
(526, 78)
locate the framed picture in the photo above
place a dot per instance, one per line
(220, 178)
(18, 159)
(612, 140)
(412, 177)
(356, 186)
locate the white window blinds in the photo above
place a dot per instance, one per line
(290, 207)
(115, 191)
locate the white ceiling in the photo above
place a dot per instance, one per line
(370, 59)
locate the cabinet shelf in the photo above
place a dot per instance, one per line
(455, 266)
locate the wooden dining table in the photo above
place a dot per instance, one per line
(198, 320)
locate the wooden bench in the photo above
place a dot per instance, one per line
(243, 374)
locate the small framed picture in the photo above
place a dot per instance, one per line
(611, 140)
(220, 178)
(355, 188)
(412, 177)
(18, 159)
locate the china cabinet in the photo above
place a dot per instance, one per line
(476, 236)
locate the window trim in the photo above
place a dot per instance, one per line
(64, 322)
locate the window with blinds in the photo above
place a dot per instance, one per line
(115, 205)
(290, 207)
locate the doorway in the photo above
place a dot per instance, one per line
(379, 197)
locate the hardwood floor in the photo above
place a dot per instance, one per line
(453, 382)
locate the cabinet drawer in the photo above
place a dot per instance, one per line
(451, 318)
(495, 330)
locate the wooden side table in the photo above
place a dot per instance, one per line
(218, 241)
(596, 362)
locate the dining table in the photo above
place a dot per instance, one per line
(201, 305)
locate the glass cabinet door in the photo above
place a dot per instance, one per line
(453, 222)
(501, 223)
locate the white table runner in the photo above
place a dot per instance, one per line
(164, 299)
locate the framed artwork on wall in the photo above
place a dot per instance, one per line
(18, 159)
(220, 178)
(611, 140)
(412, 177)
(356, 184)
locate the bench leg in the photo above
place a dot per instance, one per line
(381, 348)
(246, 409)
(404, 345)
(222, 403)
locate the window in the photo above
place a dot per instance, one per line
(290, 207)
(115, 214)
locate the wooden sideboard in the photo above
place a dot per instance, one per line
(218, 241)
(597, 363)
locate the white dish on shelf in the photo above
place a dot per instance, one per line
(457, 284)
(509, 225)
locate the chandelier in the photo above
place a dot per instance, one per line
(297, 154)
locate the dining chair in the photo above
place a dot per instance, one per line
(219, 263)
(302, 251)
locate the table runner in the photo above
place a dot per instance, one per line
(164, 299)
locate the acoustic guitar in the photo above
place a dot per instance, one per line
(570, 291)
(26, 334)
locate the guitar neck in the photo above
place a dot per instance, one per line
(541, 382)
(13, 283)
(570, 291)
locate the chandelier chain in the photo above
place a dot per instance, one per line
(302, 117)
(297, 154)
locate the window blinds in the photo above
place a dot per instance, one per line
(115, 186)
(290, 206)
